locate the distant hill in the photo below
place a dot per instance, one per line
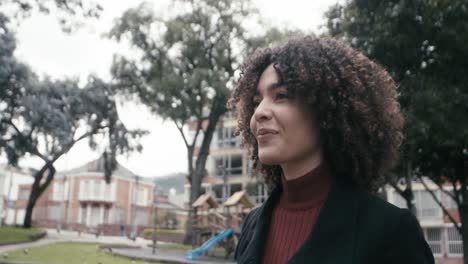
(165, 183)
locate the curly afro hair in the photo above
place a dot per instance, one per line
(354, 101)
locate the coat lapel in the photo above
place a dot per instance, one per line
(330, 241)
(254, 251)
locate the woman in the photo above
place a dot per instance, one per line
(323, 126)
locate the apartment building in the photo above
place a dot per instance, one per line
(80, 199)
(229, 163)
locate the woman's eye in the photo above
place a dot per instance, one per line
(255, 103)
(281, 96)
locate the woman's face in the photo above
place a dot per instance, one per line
(283, 126)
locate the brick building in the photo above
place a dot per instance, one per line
(80, 199)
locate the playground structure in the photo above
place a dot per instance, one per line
(218, 224)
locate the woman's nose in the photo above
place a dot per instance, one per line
(262, 112)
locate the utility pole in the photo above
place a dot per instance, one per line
(155, 218)
(135, 200)
(9, 193)
(62, 205)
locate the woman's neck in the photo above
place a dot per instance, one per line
(295, 169)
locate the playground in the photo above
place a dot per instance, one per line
(218, 224)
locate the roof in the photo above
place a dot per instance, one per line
(97, 165)
(239, 197)
(205, 198)
(167, 205)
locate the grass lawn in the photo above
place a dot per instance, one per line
(14, 234)
(70, 253)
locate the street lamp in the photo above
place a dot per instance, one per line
(155, 218)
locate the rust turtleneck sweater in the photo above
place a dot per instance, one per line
(295, 213)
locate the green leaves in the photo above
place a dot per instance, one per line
(423, 45)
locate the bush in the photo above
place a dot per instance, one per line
(13, 235)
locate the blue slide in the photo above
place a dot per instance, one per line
(192, 254)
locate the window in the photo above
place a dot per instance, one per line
(448, 201)
(232, 165)
(83, 215)
(97, 188)
(60, 191)
(24, 194)
(426, 207)
(258, 192)
(106, 215)
(454, 242)
(235, 188)
(142, 217)
(119, 215)
(218, 192)
(109, 191)
(85, 189)
(434, 239)
(95, 216)
(226, 137)
(54, 212)
(141, 196)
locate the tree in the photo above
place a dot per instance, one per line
(423, 45)
(55, 115)
(185, 71)
(69, 13)
(47, 118)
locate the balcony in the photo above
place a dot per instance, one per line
(101, 197)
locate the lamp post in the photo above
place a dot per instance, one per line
(155, 218)
(135, 201)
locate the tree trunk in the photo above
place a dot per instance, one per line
(408, 194)
(218, 110)
(189, 225)
(36, 191)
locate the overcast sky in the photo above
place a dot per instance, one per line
(49, 51)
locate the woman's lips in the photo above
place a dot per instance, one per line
(265, 137)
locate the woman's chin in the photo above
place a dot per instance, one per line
(268, 159)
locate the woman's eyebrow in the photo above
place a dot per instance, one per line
(273, 86)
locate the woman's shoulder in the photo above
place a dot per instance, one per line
(247, 230)
(397, 231)
(377, 207)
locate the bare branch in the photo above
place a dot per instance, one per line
(446, 212)
(73, 142)
(180, 128)
(199, 127)
(394, 185)
(445, 191)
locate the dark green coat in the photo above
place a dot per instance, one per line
(353, 227)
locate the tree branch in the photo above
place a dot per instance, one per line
(73, 142)
(394, 185)
(446, 212)
(50, 177)
(199, 127)
(180, 128)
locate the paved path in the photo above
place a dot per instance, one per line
(144, 252)
(68, 236)
(166, 255)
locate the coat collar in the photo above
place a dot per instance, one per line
(333, 232)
